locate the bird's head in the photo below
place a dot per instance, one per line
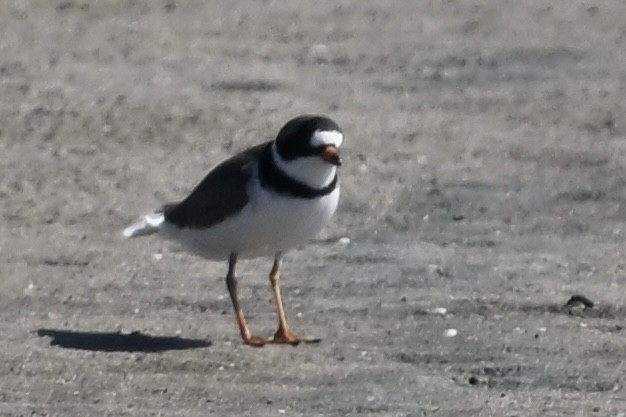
(308, 149)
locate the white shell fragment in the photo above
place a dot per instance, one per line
(450, 332)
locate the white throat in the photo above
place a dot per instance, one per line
(311, 170)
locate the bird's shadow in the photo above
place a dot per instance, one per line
(119, 342)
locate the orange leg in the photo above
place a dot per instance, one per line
(231, 283)
(283, 334)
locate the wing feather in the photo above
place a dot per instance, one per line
(221, 194)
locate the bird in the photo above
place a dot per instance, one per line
(261, 202)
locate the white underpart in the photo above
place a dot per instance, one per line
(311, 170)
(269, 223)
(327, 137)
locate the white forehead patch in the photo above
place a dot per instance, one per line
(327, 137)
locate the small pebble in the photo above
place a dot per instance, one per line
(439, 310)
(450, 332)
(344, 240)
(435, 269)
(158, 256)
(578, 300)
(29, 288)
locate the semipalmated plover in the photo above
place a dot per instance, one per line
(261, 202)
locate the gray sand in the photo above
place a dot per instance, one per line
(485, 175)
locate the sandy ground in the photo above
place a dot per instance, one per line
(484, 175)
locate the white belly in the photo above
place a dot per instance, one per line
(269, 223)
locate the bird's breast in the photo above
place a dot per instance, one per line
(287, 221)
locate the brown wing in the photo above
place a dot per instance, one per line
(222, 193)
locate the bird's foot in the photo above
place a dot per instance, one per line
(286, 336)
(257, 341)
(282, 336)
